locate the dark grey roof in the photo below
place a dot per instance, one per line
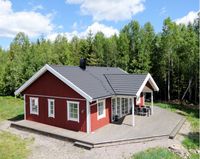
(125, 84)
(92, 80)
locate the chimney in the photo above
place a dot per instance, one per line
(83, 63)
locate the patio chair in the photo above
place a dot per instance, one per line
(144, 111)
(149, 109)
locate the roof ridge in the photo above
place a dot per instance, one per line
(126, 74)
(99, 81)
(60, 65)
(109, 83)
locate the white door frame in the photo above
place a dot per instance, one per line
(120, 106)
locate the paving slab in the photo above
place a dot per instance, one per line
(161, 124)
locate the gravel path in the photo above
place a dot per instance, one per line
(45, 147)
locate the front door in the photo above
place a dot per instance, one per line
(120, 107)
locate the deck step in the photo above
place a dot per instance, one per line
(129, 141)
(83, 144)
(177, 128)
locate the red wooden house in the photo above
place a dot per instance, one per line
(83, 98)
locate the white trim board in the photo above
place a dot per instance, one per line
(152, 82)
(66, 98)
(68, 113)
(58, 75)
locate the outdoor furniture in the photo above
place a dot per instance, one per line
(116, 118)
(150, 111)
(144, 111)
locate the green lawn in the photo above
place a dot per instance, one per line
(10, 108)
(156, 153)
(12, 146)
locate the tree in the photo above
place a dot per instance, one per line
(169, 37)
(145, 48)
(123, 51)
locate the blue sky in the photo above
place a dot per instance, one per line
(77, 17)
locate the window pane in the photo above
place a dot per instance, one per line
(100, 108)
(34, 105)
(73, 110)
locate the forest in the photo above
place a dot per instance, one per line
(171, 56)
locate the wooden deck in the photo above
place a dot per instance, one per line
(162, 124)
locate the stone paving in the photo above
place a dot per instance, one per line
(161, 123)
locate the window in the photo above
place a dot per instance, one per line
(34, 106)
(101, 109)
(51, 108)
(73, 111)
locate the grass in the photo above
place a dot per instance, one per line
(13, 147)
(10, 108)
(156, 153)
(191, 141)
(192, 115)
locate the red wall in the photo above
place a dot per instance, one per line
(50, 85)
(141, 99)
(95, 124)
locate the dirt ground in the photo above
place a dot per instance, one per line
(44, 147)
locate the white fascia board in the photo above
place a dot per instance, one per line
(153, 84)
(122, 70)
(31, 80)
(58, 75)
(69, 83)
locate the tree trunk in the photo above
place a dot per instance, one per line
(168, 81)
(188, 88)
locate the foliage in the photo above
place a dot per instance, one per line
(10, 108)
(155, 153)
(13, 147)
(192, 141)
(171, 56)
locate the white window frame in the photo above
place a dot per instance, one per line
(49, 108)
(104, 110)
(68, 115)
(36, 101)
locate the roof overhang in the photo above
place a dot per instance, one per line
(58, 75)
(151, 81)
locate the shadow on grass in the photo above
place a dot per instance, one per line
(188, 110)
(191, 141)
(17, 118)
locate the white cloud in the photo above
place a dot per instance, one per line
(31, 23)
(163, 11)
(38, 7)
(189, 18)
(94, 28)
(97, 27)
(74, 26)
(111, 10)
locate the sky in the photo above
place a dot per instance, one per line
(48, 18)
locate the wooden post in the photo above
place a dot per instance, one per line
(88, 116)
(24, 107)
(133, 115)
(152, 102)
